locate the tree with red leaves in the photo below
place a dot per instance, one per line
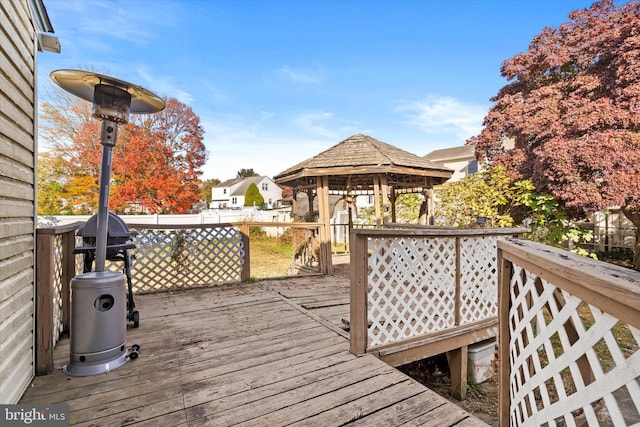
(156, 161)
(572, 110)
(159, 167)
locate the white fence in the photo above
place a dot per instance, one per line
(211, 216)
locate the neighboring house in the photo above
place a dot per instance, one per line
(23, 24)
(230, 194)
(461, 159)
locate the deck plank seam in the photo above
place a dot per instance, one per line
(317, 318)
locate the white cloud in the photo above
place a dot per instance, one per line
(309, 123)
(444, 115)
(164, 86)
(132, 22)
(323, 124)
(302, 76)
(215, 94)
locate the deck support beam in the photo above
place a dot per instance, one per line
(458, 372)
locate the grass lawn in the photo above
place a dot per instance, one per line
(270, 257)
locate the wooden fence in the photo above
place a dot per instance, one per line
(421, 291)
(569, 338)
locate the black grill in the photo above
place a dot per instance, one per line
(119, 246)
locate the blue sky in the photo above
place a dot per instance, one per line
(275, 82)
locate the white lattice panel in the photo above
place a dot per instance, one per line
(170, 259)
(479, 278)
(570, 362)
(57, 287)
(412, 287)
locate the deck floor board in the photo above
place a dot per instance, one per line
(245, 355)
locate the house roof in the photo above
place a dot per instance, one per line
(238, 180)
(359, 157)
(453, 153)
(239, 185)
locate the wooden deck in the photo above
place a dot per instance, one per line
(246, 355)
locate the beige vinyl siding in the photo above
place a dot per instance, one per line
(17, 198)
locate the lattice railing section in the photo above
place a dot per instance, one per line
(425, 284)
(184, 258)
(479, 278)
(58, 325)
(573, 358)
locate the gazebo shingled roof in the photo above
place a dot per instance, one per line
(352, 164)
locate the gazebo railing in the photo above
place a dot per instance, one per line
(569, 343)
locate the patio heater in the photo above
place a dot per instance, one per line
(98, 303)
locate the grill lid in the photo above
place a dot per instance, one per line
(116, 228)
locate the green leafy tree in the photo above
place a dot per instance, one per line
(246, 173)
(206, 186)
(483, 197)
(52, 184)
(408, 208)
(253, 197)
(549, 221)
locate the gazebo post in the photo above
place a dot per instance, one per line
(294, 204)
(392, 195)
(310, 197)
(376, 200)
(322, 191)
(384, 190)
(429, 196)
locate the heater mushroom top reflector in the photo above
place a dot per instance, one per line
(108, 94)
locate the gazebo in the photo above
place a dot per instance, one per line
(362, 165)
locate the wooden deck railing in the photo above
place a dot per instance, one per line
(55, 266)
(170, 257)
(176, 256)
(569, 338)
(167, 257)
(421, 291)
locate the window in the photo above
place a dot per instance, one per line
(265, 186)
(234, 200)
(224, 191)
(472, 167)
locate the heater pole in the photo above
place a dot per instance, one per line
(108, 136)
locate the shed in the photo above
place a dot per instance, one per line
(362, 165)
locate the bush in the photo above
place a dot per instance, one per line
(253, 197)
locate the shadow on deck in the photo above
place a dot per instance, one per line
(265, 354)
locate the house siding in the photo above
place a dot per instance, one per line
(17, 197)
(230, 194)
(461, 159)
